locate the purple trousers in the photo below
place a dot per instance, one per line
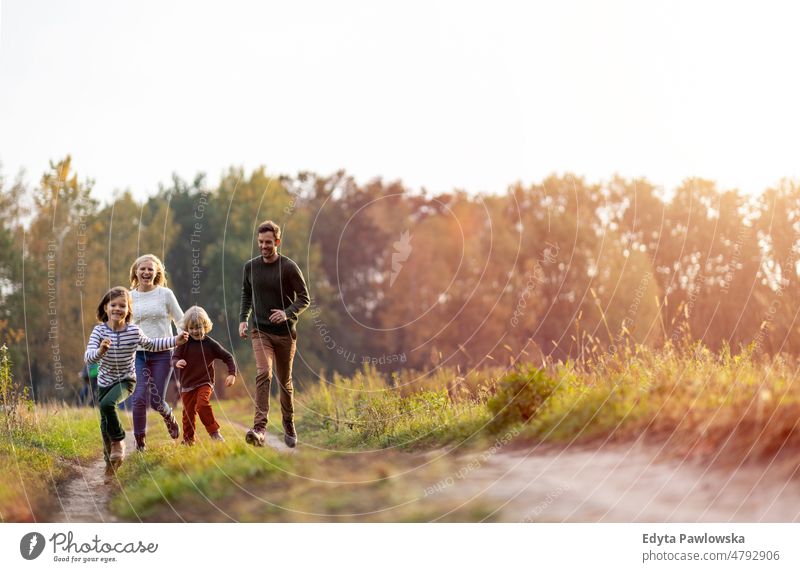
(152, 377)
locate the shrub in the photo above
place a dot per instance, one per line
(519, 396)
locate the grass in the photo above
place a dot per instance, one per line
(717, 406)
(168, 474)
(722, 406)
(409, 412)
(39, 452)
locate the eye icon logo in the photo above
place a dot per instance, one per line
(31, 545)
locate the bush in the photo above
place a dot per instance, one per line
(519, 396)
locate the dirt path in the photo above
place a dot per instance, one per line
(624, 483)
(616, 483)
(85, 497)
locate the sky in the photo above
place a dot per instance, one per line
(440, 95)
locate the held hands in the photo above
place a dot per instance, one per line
(230, 380)
(277, 317)
(104, 345)
(180, 364)
(243, 330)
(183, 337)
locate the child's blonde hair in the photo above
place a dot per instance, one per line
(160, 279)
(196, 315)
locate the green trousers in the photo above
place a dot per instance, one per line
(108, 398)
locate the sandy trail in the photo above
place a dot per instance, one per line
(624, 483)
(85, 497)
(612, 483)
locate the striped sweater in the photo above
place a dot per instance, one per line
(118, 363)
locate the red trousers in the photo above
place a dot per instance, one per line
(197, 402)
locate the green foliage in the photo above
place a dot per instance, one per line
(618, 263)
(365, 411)
(520, 395)
(14, 400)
(39, 452)
(170, 473)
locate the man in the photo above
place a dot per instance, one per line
(274, 289)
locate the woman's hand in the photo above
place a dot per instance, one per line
(230, 380)
(180, 364)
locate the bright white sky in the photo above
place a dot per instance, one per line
(438, 94)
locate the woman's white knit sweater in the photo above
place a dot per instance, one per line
(154, 311)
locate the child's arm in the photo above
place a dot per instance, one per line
(96, 347)
(221, 353)
(224, 355)
(161, 344)
(178, 357)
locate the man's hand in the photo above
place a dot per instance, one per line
(104, 345)
(230, 380)
(243, 330)
(180, 364)
(278, 317)
(182, 338)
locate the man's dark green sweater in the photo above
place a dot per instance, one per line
(268, 286)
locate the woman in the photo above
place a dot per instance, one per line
(154, 307)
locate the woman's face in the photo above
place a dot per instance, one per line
(117, 309)
(146, 272)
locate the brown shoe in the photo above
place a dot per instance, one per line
(289, 435)
(172, 426)
(255, 438)
(117, 450)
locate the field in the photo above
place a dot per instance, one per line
(414, 447)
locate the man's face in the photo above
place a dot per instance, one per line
(267, 243)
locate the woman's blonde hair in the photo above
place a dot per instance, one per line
(196, 315)
(160, 279)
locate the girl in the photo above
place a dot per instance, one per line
(194, 362)
(155, 309)
(113, 343)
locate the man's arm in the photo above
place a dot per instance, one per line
(297, 284)
(247, 302)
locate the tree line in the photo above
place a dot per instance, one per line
(410, 279)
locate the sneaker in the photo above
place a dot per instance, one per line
(172, 426)
(217, 436)
(117, 450)
(255, 438)
(289, 435)
(140, 444)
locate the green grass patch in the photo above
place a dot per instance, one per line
(168, 473)
(370, 411)
(38, 452)
(701, 402)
